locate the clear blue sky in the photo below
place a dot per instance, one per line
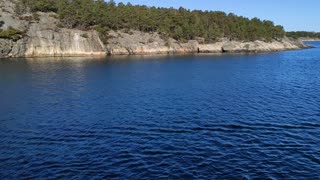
(292, 14)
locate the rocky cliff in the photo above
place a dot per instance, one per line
(135, 42)
(44, 37)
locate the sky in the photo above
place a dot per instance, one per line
(294, 15)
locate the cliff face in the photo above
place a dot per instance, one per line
(44, 37)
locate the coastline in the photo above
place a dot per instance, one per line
(38, 42)
(152, 53)
(310, 40)
(138, 43)
(45, 38)
(162, 54)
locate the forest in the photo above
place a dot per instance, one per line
(180, 24)
(304, 34)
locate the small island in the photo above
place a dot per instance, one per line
(35, 28)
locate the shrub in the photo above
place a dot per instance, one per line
(41, 5)
(103, 34)
(11, 33)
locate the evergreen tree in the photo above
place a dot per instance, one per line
(181, 24)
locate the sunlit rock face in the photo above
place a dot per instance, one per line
(43, 37)
(46, 39)
(261, 46)
(62, 42)
(135, 42)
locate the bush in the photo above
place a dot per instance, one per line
(11, 33)
(103, 34)
(41, 5)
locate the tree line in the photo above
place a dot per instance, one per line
(304, 34)
(181, 24)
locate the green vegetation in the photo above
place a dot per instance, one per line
(303, 34)
(11, 33)
(41, 5)
(181, 24)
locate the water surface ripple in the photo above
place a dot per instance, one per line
(174, 117)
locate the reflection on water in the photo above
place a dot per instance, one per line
(150, 117)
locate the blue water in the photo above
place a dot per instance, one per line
(169, 117)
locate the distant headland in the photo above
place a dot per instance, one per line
(34, 28)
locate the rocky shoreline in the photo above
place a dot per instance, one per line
(44, 37)
(140, 43)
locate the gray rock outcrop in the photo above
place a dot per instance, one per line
(43, 37)
(135, 42)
